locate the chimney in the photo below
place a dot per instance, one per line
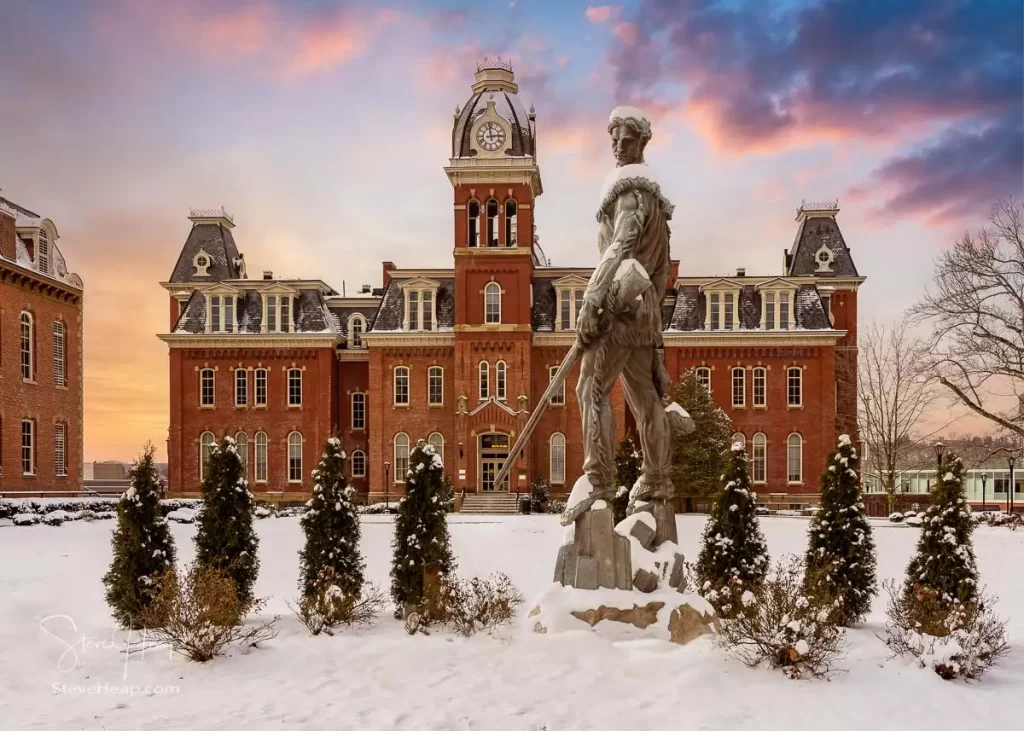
(741, 272)
(267, 274)
(7, 235)
(389, 266)
(365, 289)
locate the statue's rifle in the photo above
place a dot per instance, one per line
(545, 400)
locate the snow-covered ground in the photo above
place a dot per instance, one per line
(61, 665)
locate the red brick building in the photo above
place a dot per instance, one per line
(40, 359)
(460, 356)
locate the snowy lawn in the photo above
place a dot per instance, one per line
(61, 665)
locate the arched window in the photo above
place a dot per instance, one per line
(206, 390)
(28, 346)
(28, 447)
(401, 456)
(294, 457)
(760, 387)
(485, 379)
(242, 447)
(436, 440)
(294, 387)
(401, 386)
(358, 463)
(359, 411)
(760, 458)
(60, 370)
(492, 222)
(500, 380)
(43, 258)
(260, 395)
(511, 223)
(206, 444)
(704, 377)
(60, 452)
(556, 468)
(795, 458)
(739, 437)
(474, 223)
(739, 388)
(261, 456)
(435, 386)
(794, 386)
(356, 328)
(492, 303)
(241, 387)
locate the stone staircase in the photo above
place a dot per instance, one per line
(489, 503)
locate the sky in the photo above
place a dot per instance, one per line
(324, 128)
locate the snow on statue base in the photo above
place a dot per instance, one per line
(621, 615)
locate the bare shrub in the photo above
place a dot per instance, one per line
(329, 607)
(200, 613)
(956, 641)
(468, 606)
(782, 624)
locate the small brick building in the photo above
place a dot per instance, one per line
(40, 359)
(460, 356)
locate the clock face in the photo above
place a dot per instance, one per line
(490, 136)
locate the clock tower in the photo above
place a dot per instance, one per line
(495, 180)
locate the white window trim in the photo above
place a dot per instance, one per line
(288, 382)
(357, 317)
(489, 289)
(256, 404)
(753, 387)
(352, 411)
(702, 369)
(226, 302)
(203, 451)
(501, 382)
(716, 292)
(242, 374)
(511, 224)
(561, 399)
(291, 480)
(394, 455)
(572, 293)
(738, 437)
(776, 290)
(483, 376)
(352, 469)
(25, 314)
(256, 457)
(213, 388)
(474, 242)
(430, 369)
(800, 465)
(408, 386)
(551, 459)
(60, 364)
(280, 325)
(800, 380)
(436, 446)
(421, 310)
(732, 387)
(60, 449)
(753, 458)
(32, 448)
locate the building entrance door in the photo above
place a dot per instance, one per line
(493, 452)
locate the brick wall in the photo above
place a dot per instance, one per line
(40, 400)
(7, 234)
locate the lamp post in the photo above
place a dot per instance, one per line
(939, 449)
(387, 485)
(984, 480)
(1009, 488)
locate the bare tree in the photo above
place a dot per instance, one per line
(894, 390)
(976, 306)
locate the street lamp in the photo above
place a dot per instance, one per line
(1009, 488)
(984, 480)
(939, 449)
(387, 484)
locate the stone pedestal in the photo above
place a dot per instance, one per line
(597, 557)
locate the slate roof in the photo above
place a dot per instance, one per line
(217, 241)
(310, 313)
(369, 310)
(813, 232)
(545, 305)
(20, 209)
(691, 309)
(391, 313)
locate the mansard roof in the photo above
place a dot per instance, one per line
(818, 230)
(218, 243)
(391, 313)
(310, 313)
(690, 309)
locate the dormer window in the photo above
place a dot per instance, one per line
(277, 313)
(356, 328)
(722, 306)
(777, 298)
(201, 263)
(569, 291)
(43, 253)
(220, 313)
(420, 304)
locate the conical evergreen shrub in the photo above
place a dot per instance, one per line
(629, 462)
(943, 569)
(421, 545)
(226, 539)
(733, 555)
(331, 526)
(840, 557)
(142, 545)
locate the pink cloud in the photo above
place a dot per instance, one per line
(602, 13)
(625, 32)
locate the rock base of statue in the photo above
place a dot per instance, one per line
(622, 615)
(594, 555)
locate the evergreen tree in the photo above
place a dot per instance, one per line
(628, 463)
(700, 457)
(841, 551)
(331, 526)
(421, 544)
(226, 539)
(733, 554)
(142, 544)
(944, 564)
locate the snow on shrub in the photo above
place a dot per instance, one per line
(961, 641)
(327, 606)
(376, 508)
(56, 517)
(182, 515)
(896, 517)
(26, 519)
(915, 521)
(781, 624)
(467, 606)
